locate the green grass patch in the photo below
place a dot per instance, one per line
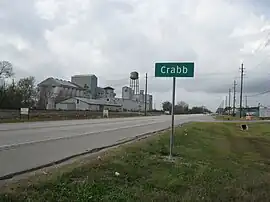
(227, 117)
(213, 162)
(233, 118)
(62, 118)
(44, 119)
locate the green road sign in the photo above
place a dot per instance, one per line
(174, 69)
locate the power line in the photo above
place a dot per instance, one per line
(261, 62)
(220, 107)
(262, 93)
(214, 74)
(264, 43)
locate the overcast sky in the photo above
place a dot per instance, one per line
(111, 38)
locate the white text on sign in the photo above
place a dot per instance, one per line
(173, 70)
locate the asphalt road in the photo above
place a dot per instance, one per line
(27, 145)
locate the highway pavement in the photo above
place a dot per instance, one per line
(28, 145)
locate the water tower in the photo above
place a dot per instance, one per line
(134, 82)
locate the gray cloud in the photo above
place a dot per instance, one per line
(112, 38)
(19, 17)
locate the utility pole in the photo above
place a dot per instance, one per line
(241, 89)
(234, 98)
(226, 103)
(229, 101)
(246, 101)
(145, 96)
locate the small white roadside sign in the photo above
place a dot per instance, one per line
(25, 111)
(106, 113)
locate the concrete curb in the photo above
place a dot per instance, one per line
(11, 175)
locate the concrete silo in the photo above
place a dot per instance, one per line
(81, 93)
(52, 94)
(88, 82)
(127, 93)
(74, 92)
(65, 92)
(70, 92)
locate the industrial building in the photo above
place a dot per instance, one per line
(83, 93)
(107, 92)
(79, 103)
(53, 90)
(88, 82)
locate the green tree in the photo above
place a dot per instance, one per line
(167, 106)
(11, 97)
(199, 110)
(14, 96)
(2, 95)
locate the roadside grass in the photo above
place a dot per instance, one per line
(44, 119)
(233, 118)
(62, 118)
(227, 117)
(212, 162)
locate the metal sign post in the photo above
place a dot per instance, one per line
(174, 69)
(172, 111)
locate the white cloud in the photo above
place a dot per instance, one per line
(110, 38)
(15, 41)
(47, 9)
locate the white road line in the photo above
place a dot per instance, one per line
(33, 127)
(11, 146)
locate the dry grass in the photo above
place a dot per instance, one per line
(213, 162)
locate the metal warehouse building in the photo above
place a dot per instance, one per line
(78, 103)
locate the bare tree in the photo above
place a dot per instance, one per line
(27, 89)
(6, 69)
(181, 108)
